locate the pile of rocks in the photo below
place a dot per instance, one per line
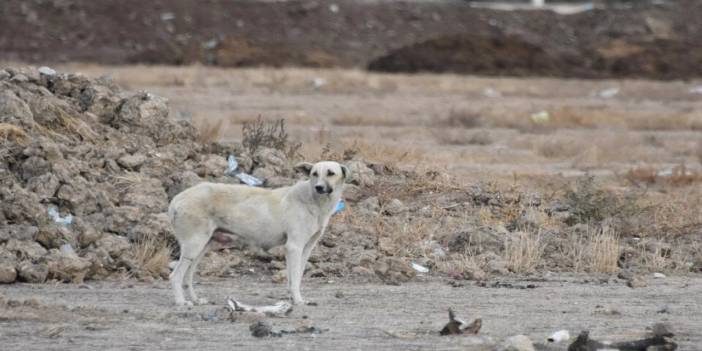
(108, 161)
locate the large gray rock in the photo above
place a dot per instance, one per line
(67, 267)
(13, 109)
(360, 174)
(32, 272)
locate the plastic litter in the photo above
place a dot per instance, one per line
(54, 214)
(658, 275)
(696, 89)
(67, 249)
(608, 93)
(559, 336)
(419, 268)
(491, 93)
(540, 117)
(234, 171)
(47, 71)
(340, 206)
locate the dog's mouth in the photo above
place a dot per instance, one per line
(324, 191)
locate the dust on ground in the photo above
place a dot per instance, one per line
(130, 314)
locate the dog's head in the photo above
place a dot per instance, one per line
(325, 177)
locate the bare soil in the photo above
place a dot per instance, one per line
(132, 315)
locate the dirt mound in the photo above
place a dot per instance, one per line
(657, 40)
(88, 170)
(86, 174)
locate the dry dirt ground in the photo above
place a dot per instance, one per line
(474, 129)
(127, 315)
(469, 126)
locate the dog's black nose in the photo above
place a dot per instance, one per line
(319, 188)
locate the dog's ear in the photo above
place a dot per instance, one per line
(304, 167)
(344, 171)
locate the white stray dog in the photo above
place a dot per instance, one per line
(294, 216)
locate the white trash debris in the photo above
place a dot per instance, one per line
(47, 71)
(279, 309)
(491, 93)
(540, 117)
(54, 214)
(318, 82)
(233, 170)
(419, 268)
(67, 249)
(696, 89)
(659, 275)
(608, 93)
(559, 336)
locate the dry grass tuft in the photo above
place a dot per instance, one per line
(524, 251)
(13, 133)
(269, 134)
(152, 254)
(464, 118)
(209, 131)
(596, 251)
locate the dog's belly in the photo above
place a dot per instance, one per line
(227, 238)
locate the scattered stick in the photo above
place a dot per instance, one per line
(279, 309)
(457, 326)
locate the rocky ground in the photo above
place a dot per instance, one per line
(653, 39)
(110, 160)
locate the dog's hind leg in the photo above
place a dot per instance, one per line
(189, 278)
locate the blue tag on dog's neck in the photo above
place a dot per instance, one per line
(340, 206)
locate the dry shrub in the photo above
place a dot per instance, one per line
(447, 136)
(597, 251)
(463, 118)
(209, 131)
(679, 175)
(590, 204)
(524, 251)
(559, 148)
(152, 254)
(366, 120)
(11, 132)
(262, 133)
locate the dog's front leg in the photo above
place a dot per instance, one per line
(293, 259)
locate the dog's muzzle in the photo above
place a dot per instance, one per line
(321, 189)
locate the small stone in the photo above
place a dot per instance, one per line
(395, 207)
(280, 277)
(362, 271)
(33, 302)
(132, 162)
(659, 275)
(8, 273)
(636, 282)
(339, 294)
(32, 273)
(261, 329)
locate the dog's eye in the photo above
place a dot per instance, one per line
(330, 173)
(314, 174)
